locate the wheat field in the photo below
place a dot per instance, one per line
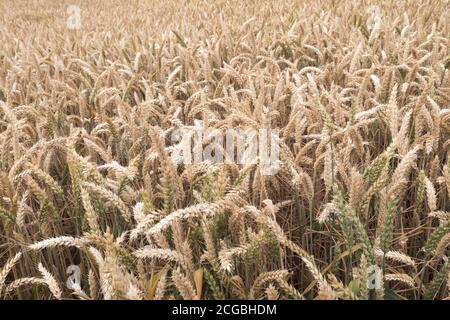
(92, 205)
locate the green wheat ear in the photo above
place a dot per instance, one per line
(420, 195)
(214, 288)
(388, 226)
(352, 226)
(373, 171)
(435, 284)
(436, 236)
